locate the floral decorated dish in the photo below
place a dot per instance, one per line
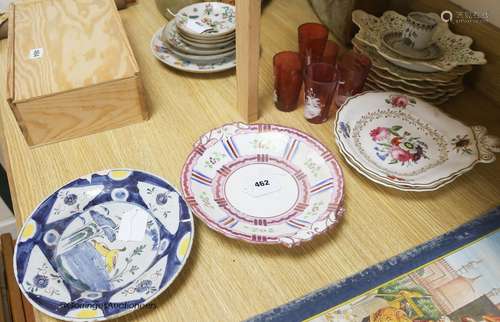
(405, 143)
(167, 56)
(103, 245)
(170, 35)
(207, 19)
(262, 183)
(455, 48)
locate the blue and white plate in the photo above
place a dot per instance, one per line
(103, 245)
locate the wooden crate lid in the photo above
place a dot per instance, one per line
(80, 43)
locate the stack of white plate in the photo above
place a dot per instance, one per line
(200, 39)
(434, 78)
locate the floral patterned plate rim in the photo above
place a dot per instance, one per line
(167, 56)
(263, 183)
(407, 143)
(170, 35)
(403, 73)
(207, 19)
(456, 48)
(103, 245)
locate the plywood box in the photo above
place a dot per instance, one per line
(71, 71)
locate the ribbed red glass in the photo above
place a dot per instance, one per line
(288, 80)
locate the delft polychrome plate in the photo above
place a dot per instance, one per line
(103, 245)
(167, 56)
(262, 183)
(405, 143)
(207, 19)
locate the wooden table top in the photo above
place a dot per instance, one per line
(224, 279)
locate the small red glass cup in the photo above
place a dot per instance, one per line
(320, 80)
(353, 70)
(312, 42)
(330, 52)
(288, 80)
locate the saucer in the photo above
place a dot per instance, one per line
(393, 41)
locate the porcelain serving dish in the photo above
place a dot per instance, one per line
(207, 19)
(380, 63)
(405, 143)
(103, 245)
(263, 183)
(455, 48)
(168, 57)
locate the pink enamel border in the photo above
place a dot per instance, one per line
(335, 205)
(299, 205)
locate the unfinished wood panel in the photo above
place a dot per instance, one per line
(78, 113)
(247, 58)
(15, 299)
(81, 43)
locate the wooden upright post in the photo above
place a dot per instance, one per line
(247, 58)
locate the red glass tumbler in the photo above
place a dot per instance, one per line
(330, 52)
(288, 80)
(312, 42)
(320, 82)
(353, 70)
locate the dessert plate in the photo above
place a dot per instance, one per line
(167, 56)
(405, 143)
(263, 183)
(394, 41)
(170, 35)
(103, 245)
(207, 19)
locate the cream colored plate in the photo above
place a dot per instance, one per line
(379, 62)
(455, 48)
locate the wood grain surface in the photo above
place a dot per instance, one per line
(224, 279)
(82, 41)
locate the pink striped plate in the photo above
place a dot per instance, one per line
(263, 183)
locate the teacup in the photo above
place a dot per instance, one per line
(419, 30)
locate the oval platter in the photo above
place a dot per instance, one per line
(406, 143)
(262, 183)
(103, 245)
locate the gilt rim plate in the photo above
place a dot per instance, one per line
(168, 57)
(103, 245)
(263, 183)
(405, 143)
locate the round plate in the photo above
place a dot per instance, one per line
(207, 19)
(167, 56)
(394, 41)
(201, 45)
(200, 58)
(170, 35)
(263, 184)
(215, 40)
(103, 245)
(406, 143)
